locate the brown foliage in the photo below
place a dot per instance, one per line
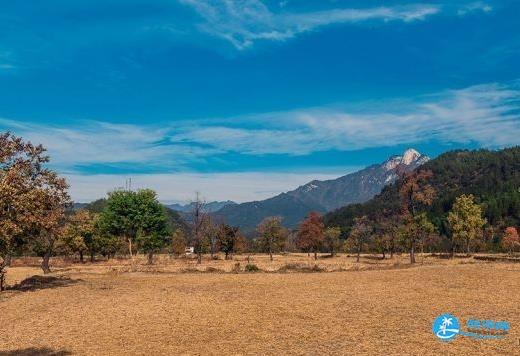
(416, 191)
(32, 198)
(310, 233)
(511, 240)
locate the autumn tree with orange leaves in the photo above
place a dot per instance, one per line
(415, 192)
(511, 240)
(32, 200)
(311, 233)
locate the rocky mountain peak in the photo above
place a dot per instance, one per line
(410, 156)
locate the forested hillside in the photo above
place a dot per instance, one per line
(493, 177)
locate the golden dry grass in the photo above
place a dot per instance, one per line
(385, 308)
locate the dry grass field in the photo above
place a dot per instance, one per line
(178, 307)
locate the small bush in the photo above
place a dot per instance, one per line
(317, 268)
(236, 268)
(252, 268)
(291, 267)
(296, 267)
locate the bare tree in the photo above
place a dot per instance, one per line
(360, 234)
(199, 222)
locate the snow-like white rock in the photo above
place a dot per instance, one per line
(392, 163)
(410, 156)
(309, 187)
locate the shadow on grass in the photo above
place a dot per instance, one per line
(43, 351)
(35, 283)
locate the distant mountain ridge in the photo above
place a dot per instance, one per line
(210, 207)
(322, 196)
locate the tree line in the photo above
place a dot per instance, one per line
(36, 218)
(480, 186)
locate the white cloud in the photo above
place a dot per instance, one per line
(474, 6)
(95, 142)
(244, 22)
(488, 115)
(181, 187)
(485, 114)
(7, 62)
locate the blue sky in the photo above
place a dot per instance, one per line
(244, 99)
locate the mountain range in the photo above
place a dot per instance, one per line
(210, 207)
(322, 196)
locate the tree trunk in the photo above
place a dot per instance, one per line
(150, 258)
(130, 250)
(383, 254)
(227, 256)
(315, 255)
(2, 279)
(412, 253)
(270, 254)
(199, 258)
(92, 256)
(45, 263)
(81, 256)
(467, 248)
(3, 266)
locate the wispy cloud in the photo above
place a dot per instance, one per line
(474, 6)
(485, 115)
(95, 142)
(488, 115)
(6, 62)
(242, 23)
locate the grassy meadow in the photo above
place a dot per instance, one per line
(293, 305)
